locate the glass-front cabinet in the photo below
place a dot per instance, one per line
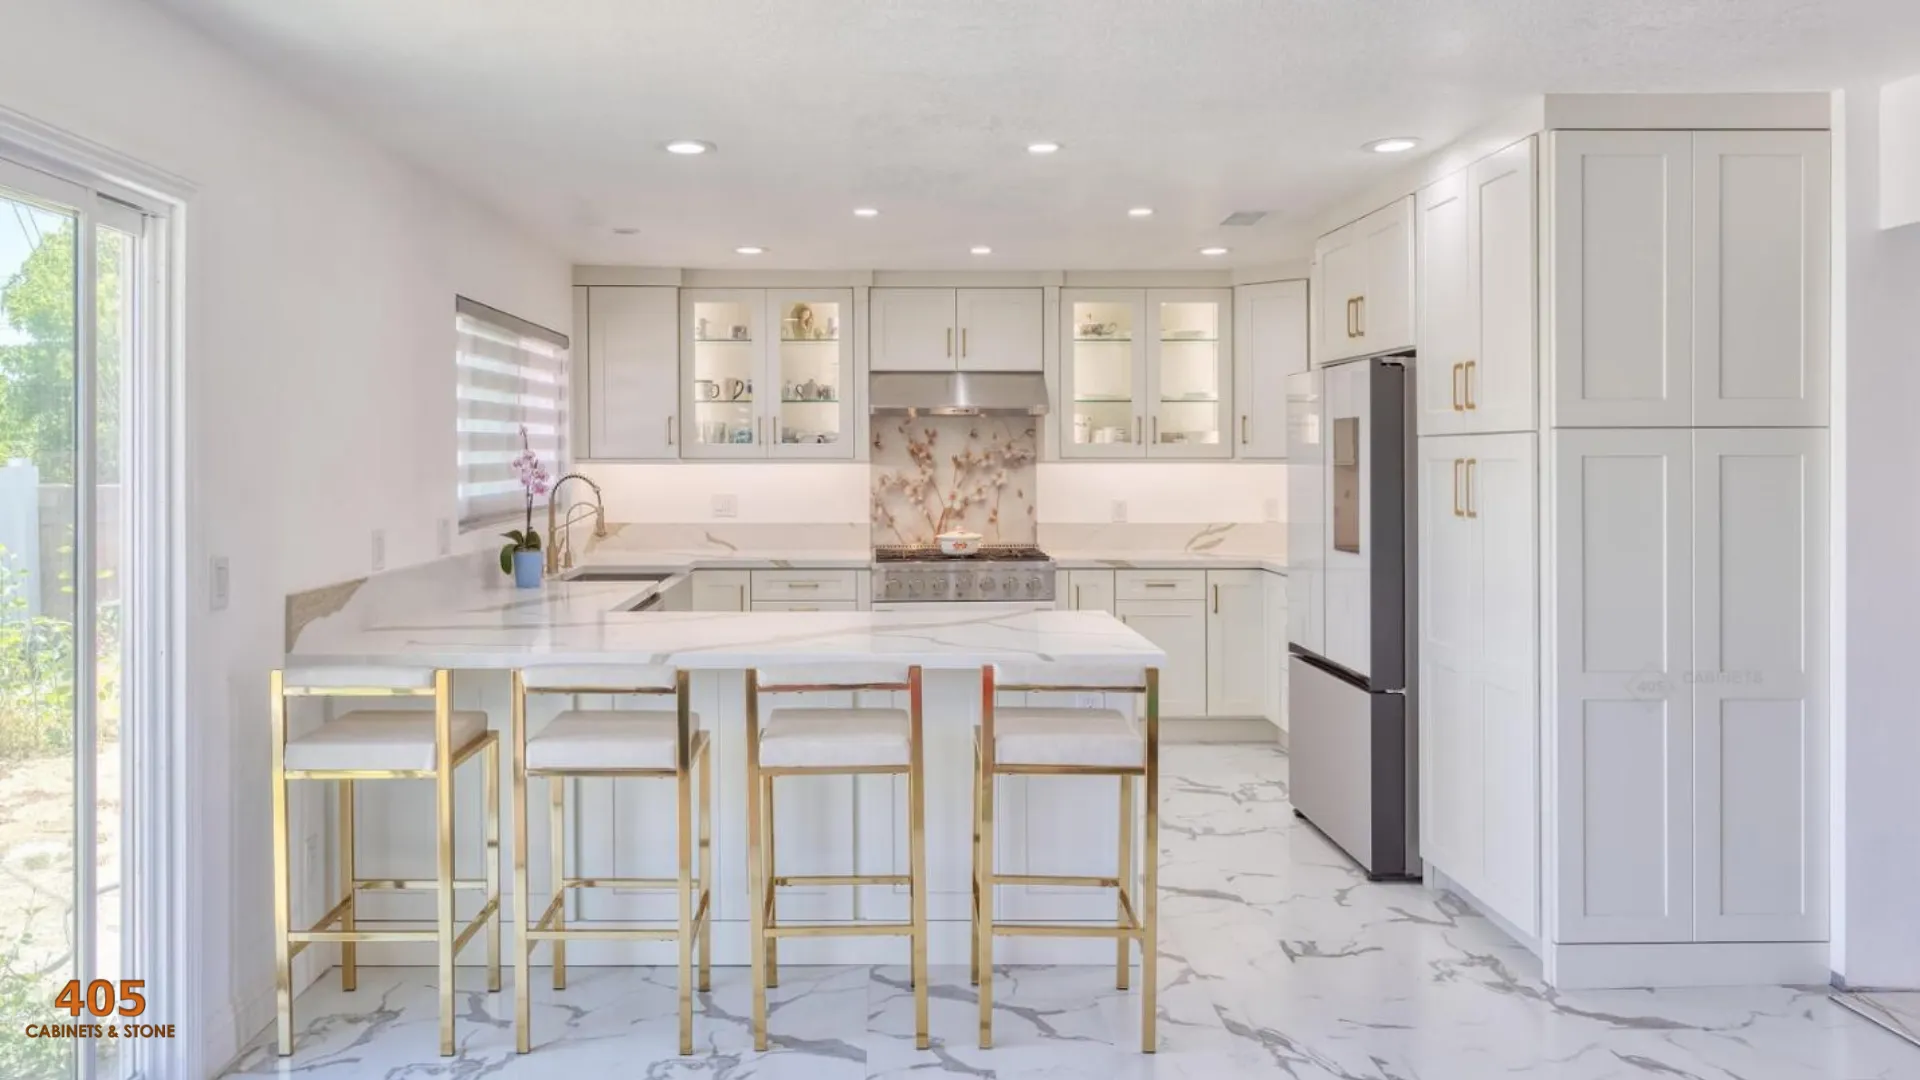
(767, 373)
(1146, 373)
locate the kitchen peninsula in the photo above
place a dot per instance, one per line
(835, 825)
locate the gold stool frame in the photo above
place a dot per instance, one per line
(289, 943)
(1131, 923)
(763, 881)
(690, 752)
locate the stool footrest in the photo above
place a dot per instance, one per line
(872, 929)
(624, 883)
(1132, 930)
(1055, 879)
(600, 931)
(843, 879)
(412, 884)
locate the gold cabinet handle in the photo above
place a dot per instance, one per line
(1076, 598)
(1243, 429)
(1468, 368)
(669, 431)
(1216, 599)
(1153, 429)
(1363, 316)
(963, 341)
(949, 342)
(1457, 512)
(803, 584)
(759, 430)
(1136, 431)
(1453, 386)
(1163, 584)
(1473, 466)
(1352, 317)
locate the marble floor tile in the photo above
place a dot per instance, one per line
(1278, 960)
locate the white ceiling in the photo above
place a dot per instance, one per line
(555, 111)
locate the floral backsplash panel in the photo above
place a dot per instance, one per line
(932, 474)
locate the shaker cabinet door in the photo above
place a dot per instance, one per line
(1179, 627)
(1447, 340)
(1500, 376)
(1269, 344)
(633, 373)
(1237, 658)
(1000, 329)
(913, 330)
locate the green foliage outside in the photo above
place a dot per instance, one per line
(26, 997)
(37, 376)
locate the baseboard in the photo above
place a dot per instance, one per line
(948, 943)
(1252, 729)
(1438, 881)
(1685, 964)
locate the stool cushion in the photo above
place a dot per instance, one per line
(826, 738)
(379, 739)
(606, 739)
(1037, 736)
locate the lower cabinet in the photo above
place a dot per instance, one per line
(1237, 660)
(721, 590)
(1226, 649)
(1179, 627)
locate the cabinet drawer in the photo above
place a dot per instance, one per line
(805, 605)
(1160, 584)
(804, 585)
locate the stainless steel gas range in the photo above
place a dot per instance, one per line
(1002, 575)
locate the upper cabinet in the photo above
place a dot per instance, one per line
(768, 373)
(1146, 373)
(632, 384)
(1690, 278)
(957, 329)
(1269, 344)
(1365, 277)
(1477, 300)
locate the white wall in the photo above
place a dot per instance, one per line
(320, 275)
(1877, 443)
(819, 493)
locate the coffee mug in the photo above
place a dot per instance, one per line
(735, 388)
(706, 390)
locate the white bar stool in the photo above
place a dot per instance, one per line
(620, 743)
(832, 742)
(382, 744)
(1023, 741)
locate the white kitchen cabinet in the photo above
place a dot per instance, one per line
(1366, 274)
(1000, 329)
(1761, 228)
(1179, 627)
(1478, 359)
(767, 373)
(1237, 658)
(721, 590)
(1269, 344)
(1479, 704)
(1622, 221)
(632, 373)
(917, 329)
(1146, 373)
(1085, 590)
(1759, 684)
(1623, 710)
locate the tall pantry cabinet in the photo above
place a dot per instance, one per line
(1623, 401)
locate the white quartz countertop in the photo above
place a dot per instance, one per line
(571, 622)
(1166, 560)
(863, 560)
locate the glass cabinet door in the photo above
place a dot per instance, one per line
(725, 350)
(1190, 373)
(809, 393)
(1105, 337)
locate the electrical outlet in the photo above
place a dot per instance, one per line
(1273, 509)
(379, 550)
(311, 853)
(444, 536)
(726, 506)
(1119, 509)
(217, 584)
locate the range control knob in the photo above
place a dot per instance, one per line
(986, 584)
(1012, 586)
(913, 588)
(1033, 584)
(893, 587)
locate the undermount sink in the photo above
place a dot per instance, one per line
(613, 574)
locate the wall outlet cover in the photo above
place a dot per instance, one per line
(218, 587)
(726, 506)
(379, 550)
(1119, 509)
(444, 536)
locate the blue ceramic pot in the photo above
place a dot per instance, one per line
(528, 566)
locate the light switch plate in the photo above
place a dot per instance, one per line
(379, 550)
(726, 506)
(217, 584)
(1119, 509)
(1273, 509)
(445, 536)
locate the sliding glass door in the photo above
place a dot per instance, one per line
(69, 309)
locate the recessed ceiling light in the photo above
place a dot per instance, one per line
(1140, 211)
(688, 147)
(1213, 251)
(1396, 145)
(981, 249)
(866, 211)
(625, 230)
(1043, 147)
(749, 250)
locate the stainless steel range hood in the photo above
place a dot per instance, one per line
(958, 393)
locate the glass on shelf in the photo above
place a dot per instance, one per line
(1188, 410)
(810, 372)
(1102, 374)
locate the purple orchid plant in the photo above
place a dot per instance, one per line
(536, 481)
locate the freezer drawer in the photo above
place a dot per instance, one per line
(1349, 769)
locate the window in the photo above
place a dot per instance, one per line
(512, 377)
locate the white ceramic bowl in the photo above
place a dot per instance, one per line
(959, 543)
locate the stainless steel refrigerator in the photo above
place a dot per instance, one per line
(1350, 617)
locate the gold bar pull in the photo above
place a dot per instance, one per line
(963, 341)
(1136, 430)
(1457, 512)
(1243, 429)
(1363, 316)
(1454, 381)
(1473, 466)
(1216, 599)
(1469, 372)
(949, 341)
(669, 431)
(1352, 317)
(1154, 426)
